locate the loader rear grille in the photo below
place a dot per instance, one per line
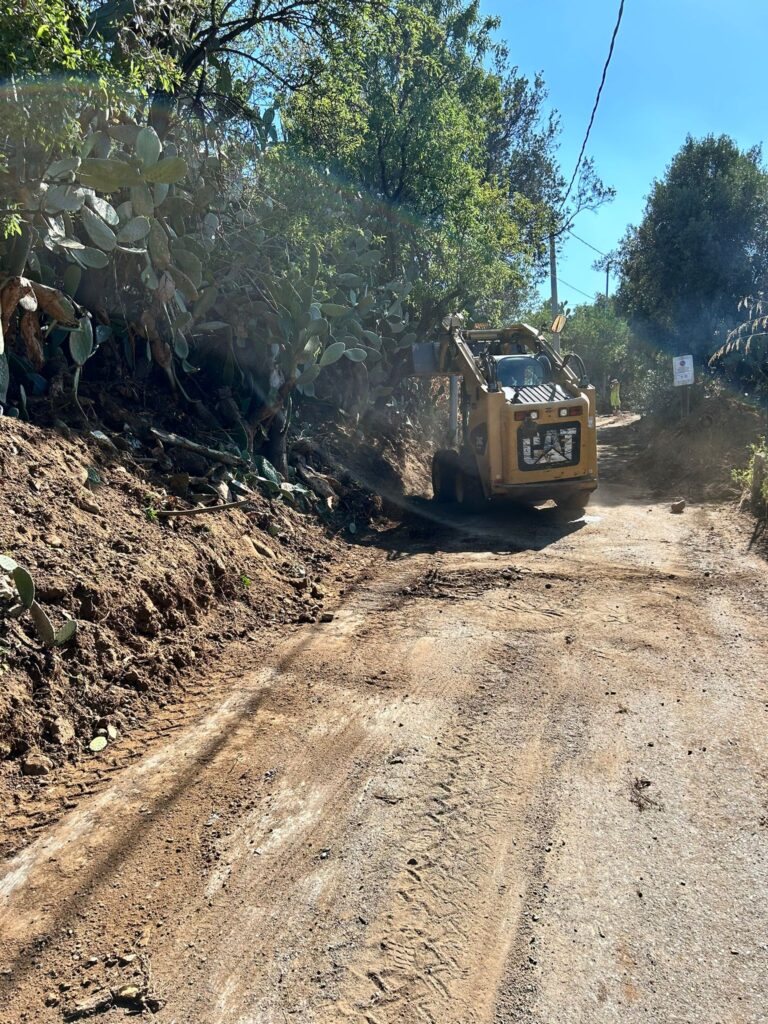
(550, 446)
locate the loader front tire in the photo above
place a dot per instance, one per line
(445, 466)
(468, 491)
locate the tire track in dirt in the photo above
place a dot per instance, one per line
(453, 900)
(478, 842)
(364, 798)
(88, 846)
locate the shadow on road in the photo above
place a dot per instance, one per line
(428, 526)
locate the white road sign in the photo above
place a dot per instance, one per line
(682, 368)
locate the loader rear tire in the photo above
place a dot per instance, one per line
(445, 467)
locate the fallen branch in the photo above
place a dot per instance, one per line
(201, 510)
(317, 482)
(177, 441)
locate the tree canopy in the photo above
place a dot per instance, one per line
(701, 246)
(604, 341)
(423, 108)
(408, 109)
(236, 197)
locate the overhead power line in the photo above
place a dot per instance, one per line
(588, 244)
(573, 286)
(597, 101)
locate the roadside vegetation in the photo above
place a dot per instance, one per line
(238, 211)
(250, 205)
(692, 280)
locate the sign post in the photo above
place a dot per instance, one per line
(682, 375)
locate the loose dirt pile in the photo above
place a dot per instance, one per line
(157, 600)
(385, 461)
(695, 457)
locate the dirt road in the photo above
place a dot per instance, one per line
(521, 776)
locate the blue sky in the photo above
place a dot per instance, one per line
(679, 67)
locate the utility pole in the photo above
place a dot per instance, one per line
(554, 305)
(607, 277)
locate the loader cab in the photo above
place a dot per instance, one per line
(519, 371)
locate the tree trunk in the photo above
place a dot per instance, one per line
(275, 446)
(758, 479)
(160, 112)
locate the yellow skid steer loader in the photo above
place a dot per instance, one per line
(522, 418)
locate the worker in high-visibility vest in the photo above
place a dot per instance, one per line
(615, 396)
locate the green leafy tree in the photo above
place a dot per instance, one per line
(408, 110)
(604, 341)
(177, 240)
(743, 358)
(157, 213)
(701, 246)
